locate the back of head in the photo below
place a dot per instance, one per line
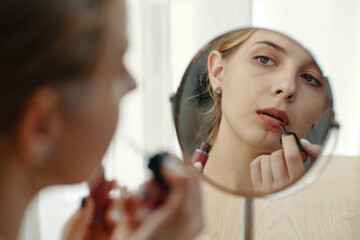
(42, 42)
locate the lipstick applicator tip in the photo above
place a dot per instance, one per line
(304, 154)
(283, 129)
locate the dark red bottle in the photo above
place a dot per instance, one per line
(201, 154)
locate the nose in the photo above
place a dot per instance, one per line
(130, 82)
(285, 88)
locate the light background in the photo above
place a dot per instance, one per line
(164, 35)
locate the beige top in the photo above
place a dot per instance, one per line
(328, 209)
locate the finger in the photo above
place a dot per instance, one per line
(122, 230)
(151, 194)
(78, 224)
(182, 181)
(198, 166)
(126, 223)
(129, 208)
(294, 163)
(112, 214)
(266, 173)
(255, 172)
(278, 167)
(312, 149)
(113, 184)
(185, 189)
(173, 171)
(115, 191)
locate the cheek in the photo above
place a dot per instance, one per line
(242, 91)
(109, 109)
(102, 114)
(234, 98)
(239, 103)
(309, 114)
(83, 141)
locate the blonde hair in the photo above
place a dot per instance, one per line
(227, 46)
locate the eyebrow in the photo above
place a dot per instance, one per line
(271, 44)
(277, 47)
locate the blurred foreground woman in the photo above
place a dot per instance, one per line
(62, 77)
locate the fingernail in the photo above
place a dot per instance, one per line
(198, 166)
(124, 192)
(305, 142)
(173, 165)
(115, 193)
(115, 215)
(83, 202)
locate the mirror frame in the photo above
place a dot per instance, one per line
(311, 174)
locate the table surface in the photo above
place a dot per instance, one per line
(327, 209)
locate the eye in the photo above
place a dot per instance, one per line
(265, 60)
(311, 80)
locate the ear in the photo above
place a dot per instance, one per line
(215, 69)
(39, 127)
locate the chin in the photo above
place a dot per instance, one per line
(268, 149)
(266, 144)
(74, 176)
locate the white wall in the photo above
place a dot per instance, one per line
(331, 30)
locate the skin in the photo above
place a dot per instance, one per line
(58, 143)
(257, 76)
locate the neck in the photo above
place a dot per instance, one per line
(17, 189)
(229, 161)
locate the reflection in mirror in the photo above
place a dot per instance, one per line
(260, 105)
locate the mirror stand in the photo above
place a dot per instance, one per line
(247, 232)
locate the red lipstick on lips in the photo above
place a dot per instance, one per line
(273, 117)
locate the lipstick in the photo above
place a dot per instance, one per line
(201, 154)
(303, 153)
(154, 165)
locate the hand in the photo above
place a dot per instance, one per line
(312, 149)
(77, 226)
(177, 216)
(271, 173)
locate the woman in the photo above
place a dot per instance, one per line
(62, 77)
(258, 80)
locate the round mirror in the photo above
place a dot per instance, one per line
(253, 113)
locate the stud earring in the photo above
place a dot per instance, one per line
(218, 90)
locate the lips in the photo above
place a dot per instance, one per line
(273, 117)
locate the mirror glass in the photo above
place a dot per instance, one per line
(253, 112)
